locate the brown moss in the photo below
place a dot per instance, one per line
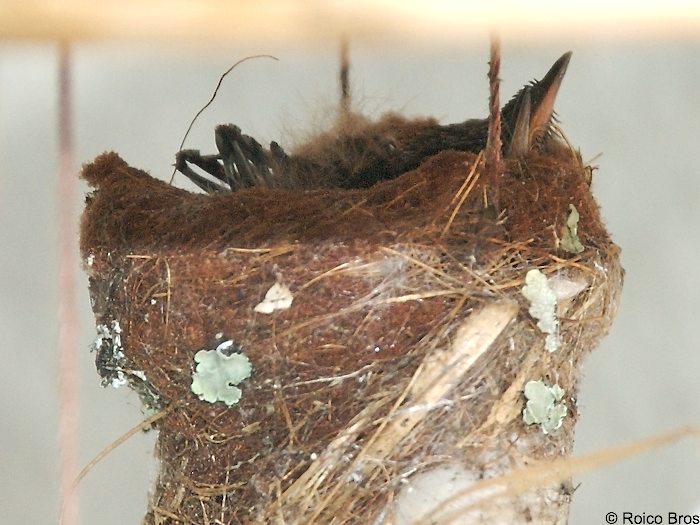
(382, 278)
(134, 211)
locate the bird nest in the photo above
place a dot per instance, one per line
(388, 340)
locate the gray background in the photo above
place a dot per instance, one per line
(635, 103)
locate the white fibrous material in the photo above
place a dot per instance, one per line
(445, 495)
(278, 297)
(566, 288)
(109, 342)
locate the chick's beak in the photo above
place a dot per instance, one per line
(534, 107)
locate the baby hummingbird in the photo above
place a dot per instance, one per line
(358, 153)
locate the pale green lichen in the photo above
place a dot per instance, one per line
(569, 233)
(543, 406)
(543, 302)
(217, 374)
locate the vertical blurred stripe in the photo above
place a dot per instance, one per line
(67, 315)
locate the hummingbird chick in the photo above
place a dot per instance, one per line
(358, 153)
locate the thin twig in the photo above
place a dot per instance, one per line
(143, 425)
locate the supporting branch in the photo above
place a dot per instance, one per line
(494, 162)
(344, 78)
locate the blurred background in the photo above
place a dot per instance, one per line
(629, 101)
